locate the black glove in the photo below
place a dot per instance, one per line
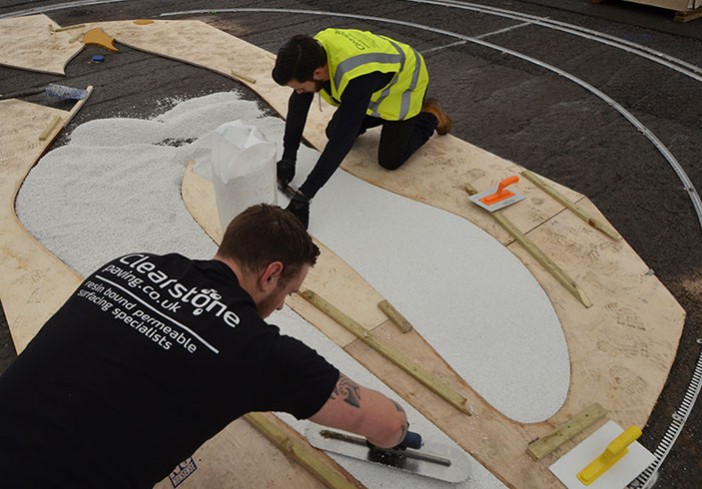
(285, 171)
(300, 207)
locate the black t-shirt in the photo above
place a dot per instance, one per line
(150, 357)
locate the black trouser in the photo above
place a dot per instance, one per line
(398, 139)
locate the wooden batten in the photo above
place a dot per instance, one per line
(685, 10)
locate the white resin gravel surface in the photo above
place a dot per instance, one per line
(115, 188)
(466, 293)
(370, 474)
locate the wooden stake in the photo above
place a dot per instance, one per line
(313, 460)
(56, 119)
(398, 319)
(541, 447)
(575, 208)
(242, 77)
(61, 29)
(421, 375)
(539, 255)
(76, 37)
(79, 105)
(50, 128)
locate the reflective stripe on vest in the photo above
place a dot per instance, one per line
(397, 100)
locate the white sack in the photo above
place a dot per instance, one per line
(243, 169)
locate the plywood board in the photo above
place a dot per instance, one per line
(453, 164)
(32, 43)
(33, 282)
(496, 441)
(620, 344)
(679, 5)
(493, 439)
(234, 459)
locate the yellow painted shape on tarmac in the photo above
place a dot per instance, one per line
(98, 37)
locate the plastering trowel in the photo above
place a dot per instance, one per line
(424, 458)
(498, 198)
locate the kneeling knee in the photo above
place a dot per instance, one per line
(390, 163)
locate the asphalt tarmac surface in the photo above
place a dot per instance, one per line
(523, 82)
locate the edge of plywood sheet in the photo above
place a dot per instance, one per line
(33, 282)
(33, 43)
(233, 459)
(629, 338)
(27, 289)
(199, 44)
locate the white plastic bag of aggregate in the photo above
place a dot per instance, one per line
(243, 169)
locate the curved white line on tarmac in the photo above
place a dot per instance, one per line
(592, 35)
(665, 152)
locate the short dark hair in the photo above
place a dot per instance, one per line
(297, 59)
(266, 233)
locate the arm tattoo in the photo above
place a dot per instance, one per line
(349, 390)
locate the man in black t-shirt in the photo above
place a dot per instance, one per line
(153, 355)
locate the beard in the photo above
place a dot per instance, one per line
(270, 304)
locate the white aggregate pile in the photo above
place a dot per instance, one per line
(115, 187)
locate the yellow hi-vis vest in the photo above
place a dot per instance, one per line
(352, 53)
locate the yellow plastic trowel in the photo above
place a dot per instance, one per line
(499, 197)
(614, 452)
(610, 458)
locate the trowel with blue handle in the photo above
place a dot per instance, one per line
(412, 455)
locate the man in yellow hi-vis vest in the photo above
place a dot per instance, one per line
(374, 81)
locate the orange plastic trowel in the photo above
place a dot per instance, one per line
(498, 198)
